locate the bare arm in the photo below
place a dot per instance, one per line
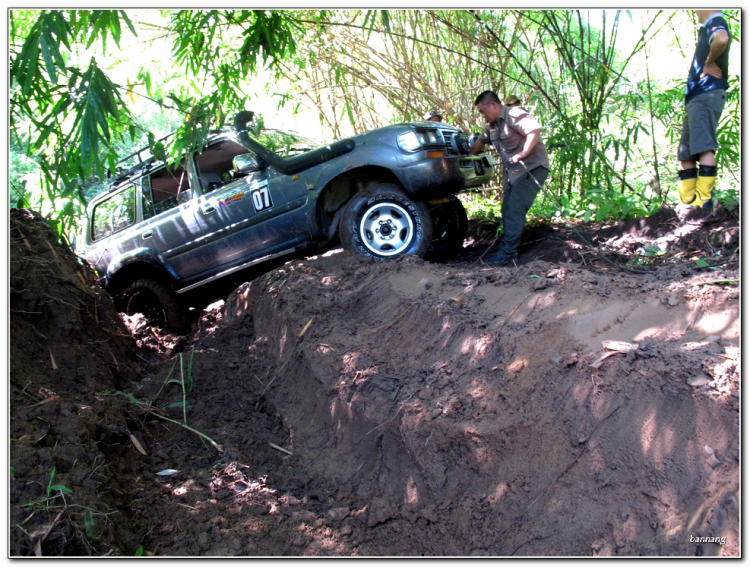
(718, 45)
(476, 148)
(531, 140)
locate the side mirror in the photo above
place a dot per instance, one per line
(247, 163)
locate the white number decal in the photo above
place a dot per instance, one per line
(261, 199)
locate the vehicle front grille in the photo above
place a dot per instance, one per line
(449, 149)
(456, 143)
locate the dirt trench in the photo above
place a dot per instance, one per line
(405, 408)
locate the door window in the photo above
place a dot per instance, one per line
(215, 165)
(114, 214)
(165, 189)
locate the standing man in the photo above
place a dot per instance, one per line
(705, 96)
(511, 100)
(517, 138)
(433, 116)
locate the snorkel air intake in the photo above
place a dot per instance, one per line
(288, 166)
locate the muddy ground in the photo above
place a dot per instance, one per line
(337, 406)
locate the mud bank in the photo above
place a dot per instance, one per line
(343, 407)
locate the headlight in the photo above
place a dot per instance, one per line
(408, 141)
(411, 141)
(432, 137)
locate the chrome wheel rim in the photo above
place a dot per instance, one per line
(386, 229)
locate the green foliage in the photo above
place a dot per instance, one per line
(81, 98)
(189, 379)
(610, 120)
(594, 205)
(68, 112)
(51, 488)
(729, 134)
(482, 207)
(89, 524)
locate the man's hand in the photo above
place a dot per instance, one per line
(531, 140)
(476, 148)
(711, 69)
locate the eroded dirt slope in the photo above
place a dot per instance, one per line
(409, 408)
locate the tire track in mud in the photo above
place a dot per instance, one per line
(418, 412)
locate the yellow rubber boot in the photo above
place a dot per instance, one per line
(688, 181)
(705, 186)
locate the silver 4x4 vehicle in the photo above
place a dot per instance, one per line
(162, 230)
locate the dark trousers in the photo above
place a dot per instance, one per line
(517, 200)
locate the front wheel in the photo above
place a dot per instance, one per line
(158, 303)
(449, 227)
(383, 222)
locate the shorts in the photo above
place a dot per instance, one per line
(699, 125)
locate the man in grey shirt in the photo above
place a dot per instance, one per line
(516, 136)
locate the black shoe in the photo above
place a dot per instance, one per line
(500, 258)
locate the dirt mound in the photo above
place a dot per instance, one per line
(336, 406)
(67, 344)
(659, 240)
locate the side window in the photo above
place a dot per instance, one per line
(164, 190)
(147, 200)
(215, 165)
(114, 214)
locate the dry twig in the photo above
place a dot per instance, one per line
(38, 545)
(512, 312)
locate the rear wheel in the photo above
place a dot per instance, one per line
(449, 227)
(158, 303)
(383, 222)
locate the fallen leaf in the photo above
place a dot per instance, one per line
(137, 444)
(619, 346)
(599, 361)
(168, 472)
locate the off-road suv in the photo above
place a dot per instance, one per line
(160, 230)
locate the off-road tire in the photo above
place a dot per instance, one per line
(158, 303)
(449, 227)
(383, 222)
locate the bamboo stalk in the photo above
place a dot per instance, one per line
(184, 395)
(165, 381)
(202, 435)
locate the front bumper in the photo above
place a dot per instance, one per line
(477, 170)
(438, 177)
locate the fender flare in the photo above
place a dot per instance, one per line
(146, 255)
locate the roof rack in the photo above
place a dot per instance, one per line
(143, 162)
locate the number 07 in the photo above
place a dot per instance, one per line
(261, 199)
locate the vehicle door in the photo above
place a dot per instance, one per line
(113, 228)
(243, 212)
(171, 224)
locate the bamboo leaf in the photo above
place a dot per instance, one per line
(49, 63)
(386, 20)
